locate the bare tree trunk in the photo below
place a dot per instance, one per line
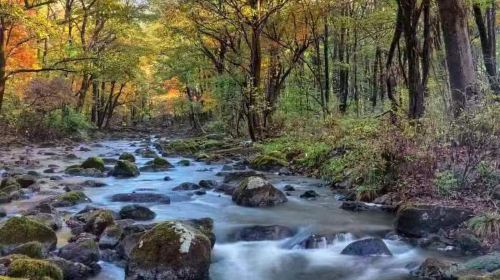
(487, 34)
(3, 78)
(458, 53)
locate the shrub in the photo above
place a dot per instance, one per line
(446, 182)
(486, 225)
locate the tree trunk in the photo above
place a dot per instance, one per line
(326, 66)
(487, 34)
(458, 53)
(3, 78)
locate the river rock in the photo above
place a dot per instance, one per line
(142, 197)
(309, 195)
(27, 268)
(20, 230)
(70, 199)
(72, 270)
(226, 189)
(359, 206)
(257, 192)
(187, 187)
(125, 169)
(170, 250)
(146, 153)
(158, 164)
(33, 249)
(259, 233)
(367, 247)
(110, 237)
(93, 162)
(91, 220)
(137, 212)
(184, 162)
(208, 184)
(419, 221)
(53, 221)
(83, 251)
(486, 263)
(26, 180)
(127, 156)
(289, 188)
(435, 269)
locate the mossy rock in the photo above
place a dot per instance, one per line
(184, 162)
(34, 269)
(97, 221)
(12, 278)
(170, 250)
(70, 199)
(33, 249)
(127, 156)
(487, 263)
(73, 169)
(93, 162)
(157, 164)
(268, 162)
(20, 230)
(9, 185)
(125, 169)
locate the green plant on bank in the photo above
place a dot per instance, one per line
(446, 182)
(486, 225)
(488, 175)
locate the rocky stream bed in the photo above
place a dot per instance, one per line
(122, 209)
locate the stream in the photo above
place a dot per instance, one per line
(256, 260)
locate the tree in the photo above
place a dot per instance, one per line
(458, 53)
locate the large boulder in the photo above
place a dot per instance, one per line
(421, 220)
(85, 251)
(142, 197)
(20, 230)
(367, 247)
(137, 212)
(53, 221)
(125, 169)
(93, 162)
(259, 233)
(257, 192)
(170, 250)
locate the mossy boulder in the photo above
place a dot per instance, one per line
(486, 263)
(170, 250)
(34, 269)
(127, 156)
(93, 162)
(20, 230)
(125, 169)
(70, 199)
(257, 192)
(97, 221)
(146, 153)
(72, 270)
(156, 165)
(268, 162)
(433, 268)
(110, 237)
(33, 249)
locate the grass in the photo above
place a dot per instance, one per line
(486, 225)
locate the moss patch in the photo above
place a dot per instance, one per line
(20, 230)
(268, 161)
(34, 269)
(32, 249)
(73, 197)
(93, 162)
(127, 156)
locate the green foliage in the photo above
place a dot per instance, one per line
(486, 225)
(488, 175)
(446, 182)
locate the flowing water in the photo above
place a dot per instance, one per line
(259, 260)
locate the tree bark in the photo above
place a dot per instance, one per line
(458, 53)
(3, 63)
(487, 34)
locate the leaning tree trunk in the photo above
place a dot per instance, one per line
(458, 53)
